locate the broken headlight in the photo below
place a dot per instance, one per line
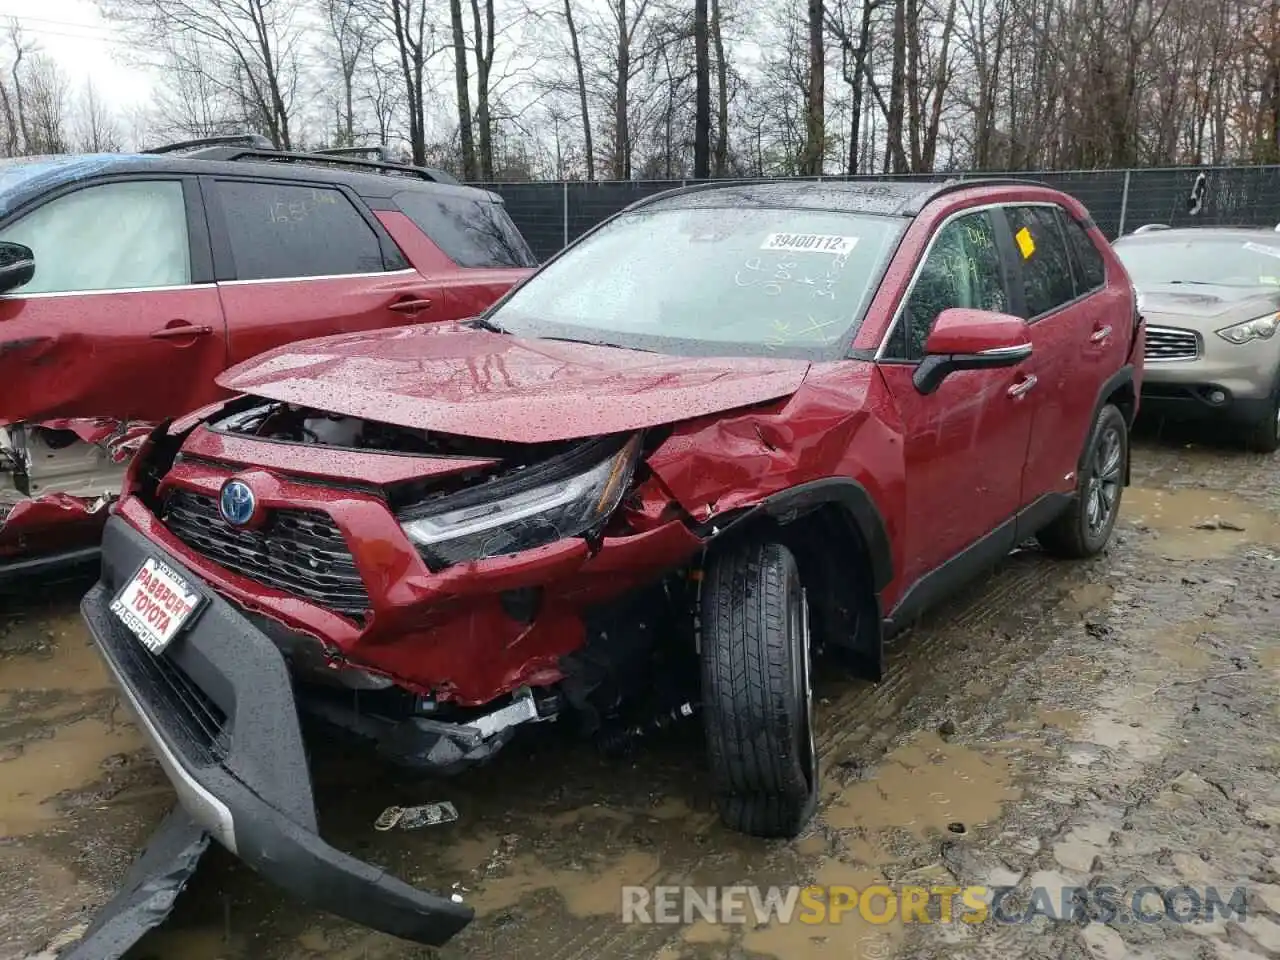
(545, 504)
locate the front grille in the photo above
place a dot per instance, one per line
(1171, 343)
(197, 725)
(298, 551)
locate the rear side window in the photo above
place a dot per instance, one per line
(472, 231)
(1046, 263)
(1091, 271)
(281, 231)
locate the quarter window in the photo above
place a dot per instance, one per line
(962, 269)
(280, 231)
(1046, 264)
(473, 232)
(1091, 270)
(114, 236)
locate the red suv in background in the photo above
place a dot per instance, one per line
(131, 281)
(732, 426)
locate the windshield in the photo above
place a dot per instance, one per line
(711, 281)
(1224, 261)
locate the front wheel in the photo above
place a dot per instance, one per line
(1264, 436)
(1085, 527)
(757, 692)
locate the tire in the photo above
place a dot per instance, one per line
(1264, 436)
(1084, 529)
(756, 691)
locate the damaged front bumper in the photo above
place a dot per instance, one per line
(218, 707)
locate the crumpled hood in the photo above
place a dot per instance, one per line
(455, 379)
(1208, 303)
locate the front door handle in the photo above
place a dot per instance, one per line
(409, 306)
(1023, 386)
(1101, 334)
(180, 332)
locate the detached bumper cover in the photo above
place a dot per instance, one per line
(219, 710)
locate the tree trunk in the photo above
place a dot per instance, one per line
(720, 154)
(622, 132)
(702, 95)
(464, 95)
(582, 90)
(815, 112)
(484, 63)
(895, 152)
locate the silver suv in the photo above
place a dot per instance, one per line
(1211, 299)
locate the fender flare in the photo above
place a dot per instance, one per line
(1113, 383)
(848, 494)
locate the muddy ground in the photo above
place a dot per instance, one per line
(1113, 721)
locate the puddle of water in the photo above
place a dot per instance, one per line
(851, 937)
(586, 892)
(704, 931)
(1063, 719)
(71, 758)
(925, 785)
(571, 818)
(192, 943)
(73, 665)
(1174, 514)
(1086, 597)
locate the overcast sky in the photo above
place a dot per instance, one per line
(85, 46)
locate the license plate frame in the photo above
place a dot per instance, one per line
(157, 604)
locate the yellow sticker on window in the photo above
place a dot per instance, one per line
(1025, 243)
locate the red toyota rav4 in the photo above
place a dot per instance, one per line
(130, 281)
(731, 427)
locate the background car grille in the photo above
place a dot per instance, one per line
(1170, 343)
(298, 551)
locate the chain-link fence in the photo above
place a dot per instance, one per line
(552, 214)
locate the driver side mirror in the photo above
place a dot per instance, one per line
(964, 339)
(17, 265)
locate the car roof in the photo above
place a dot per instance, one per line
(886, 197)
(1161, 232)
(24, 178)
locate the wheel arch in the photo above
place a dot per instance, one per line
(1119, 390)
(839, 538)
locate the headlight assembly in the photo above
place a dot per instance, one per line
(1262, 328)
(545, 504)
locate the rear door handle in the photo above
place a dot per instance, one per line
(1101, 334)
(409, 306)
(180, 332)
(1023, 386)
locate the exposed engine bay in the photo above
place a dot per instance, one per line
(292, 424)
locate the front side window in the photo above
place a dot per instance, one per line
(114, 236)
(1046, 264)
(280, 231)
(961, 269)
(712, 280)
(472, 231)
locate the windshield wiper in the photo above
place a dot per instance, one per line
(596, 343)
(480, 323)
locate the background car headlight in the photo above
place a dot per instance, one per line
(1262, 328)
(506, 517)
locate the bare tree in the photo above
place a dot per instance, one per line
(351, 35)
(96, 128)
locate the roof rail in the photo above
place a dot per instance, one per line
(373, 166)
(381, 153)
(1150, 228)
(255, 140)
